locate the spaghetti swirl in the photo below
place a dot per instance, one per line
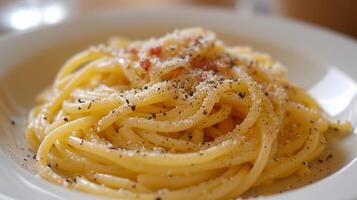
(178, 117)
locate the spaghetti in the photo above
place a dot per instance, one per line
(179, 117)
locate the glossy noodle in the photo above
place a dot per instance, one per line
(178, 117)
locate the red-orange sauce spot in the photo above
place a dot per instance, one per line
(155, 51)
(145, 64)
(204, 64)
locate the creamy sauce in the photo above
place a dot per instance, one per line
(330, 161)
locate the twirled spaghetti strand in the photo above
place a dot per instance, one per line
(178, 117)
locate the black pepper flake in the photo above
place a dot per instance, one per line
(81, 101)
(25, 159)
(127, 101)
(205, 112)
(145, 87)
(158, 198)
(133, 107)
(329, 157)
(79, 108)
(49, 165)
(266, 94)
(89, 105)
(320, 160)
(241, 94)
(153, 115)
(65, 119)
(13, 122)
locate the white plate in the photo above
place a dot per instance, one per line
(319, 60)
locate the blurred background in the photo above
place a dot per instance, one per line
(339, 15)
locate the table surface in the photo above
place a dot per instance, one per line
(18, 15)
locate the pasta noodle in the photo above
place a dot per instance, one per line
(178, 117)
